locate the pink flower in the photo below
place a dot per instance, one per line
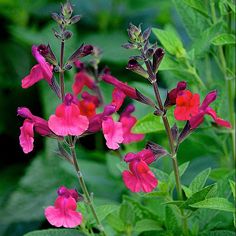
(139, 178)
(128, 122)
(82, 79)
(43, 70)
(64, 213)
(30, 124)
(113, 133)
(187, 105)
(118, 98)
(204, 109)
(68, 119)
(27, 136)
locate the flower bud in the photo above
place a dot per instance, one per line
(57, 18)
(146, 33)
(57, 34)
(158, 150)
(143, 99)
(82, 51)
(67, 34)
(66, 9)
(134, 66)
(158, 112)
(129, 46)
(185, 132)
(157, 58)
(175, 132)
(67, 67)
(75, 19)
(135, 33)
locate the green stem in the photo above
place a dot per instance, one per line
(84, 188)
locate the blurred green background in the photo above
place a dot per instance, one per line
(28, 183)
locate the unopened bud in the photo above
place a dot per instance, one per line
(185, 132)
(67, 34)
(146, 33)
(57, 18)
(175, 132)
(47, 53)
(75, 19)
(129, 46)
(158, 112)
(57, 34)
(143, 99)
(82, 51)
(66, 9)
(67, 67)
(157, 58)
(134, 66)
(135, 33)
(158, 150)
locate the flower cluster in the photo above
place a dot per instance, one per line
(64, 213)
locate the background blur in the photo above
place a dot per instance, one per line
(29, 182)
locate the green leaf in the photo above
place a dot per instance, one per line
(216, 203)
(197, 5)
(147, 225)
(187, 191)
(55, 232)
(219, 173)
(127, 213)
(194, 21)
(115, 222)
(198, 196)
(232, 186)
(104, 210)
(161, 175)
(172, 218)
(171, 41)
(218, 233)
(151, 124)
(199, 181)
(223, 39)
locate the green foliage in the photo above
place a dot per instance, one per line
(55, 232)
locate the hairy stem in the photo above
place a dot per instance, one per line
(84, 187)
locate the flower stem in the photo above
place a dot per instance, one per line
(62, 85)
(84, 188)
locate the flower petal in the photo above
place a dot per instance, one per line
(68, 121)
(27, 136)
(113, 133)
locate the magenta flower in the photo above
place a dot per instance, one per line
(30, 124)
(128, 121)
(64, 213)
(43, 70)
(126, 89)
(204, 109)
(82, 79)
(139, 178)
(68, 119)
(113, 133)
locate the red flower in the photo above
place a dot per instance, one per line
(139, 177)
(118, 98)
(187, 105)
(204, 109)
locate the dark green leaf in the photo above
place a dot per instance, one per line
(55, 232)
(197, 5)
(172, 218)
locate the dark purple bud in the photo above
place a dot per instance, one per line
(67, 34)
(47, 53)
(57, 18)
(75, 19)
(172, 95)
(134, 66)
(82, 51)
(56, 69)
(158, 112)
(143, 99)
(185, 132)
(157, 58)
(129, 46)
(146, 33)
(175, 132)
(158, 150)
(66, 9)
(210, 97)
(137, 58)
